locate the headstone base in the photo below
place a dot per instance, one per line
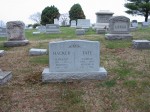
(48, 76)
(16, 43)
(100, 31)
(80, 31)
(1, 53)
(35, 33)
(141, 44)
(36, 52)
(118, 36)
(4, 77)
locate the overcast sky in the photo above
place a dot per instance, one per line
(12, 10)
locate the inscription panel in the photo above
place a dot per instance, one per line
(74, 56)
(120, 27)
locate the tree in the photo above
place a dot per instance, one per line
(49, 14)
(36, 17)
(64, 18)
(138, 7)
(76, 12)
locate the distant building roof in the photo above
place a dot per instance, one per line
(104, 12)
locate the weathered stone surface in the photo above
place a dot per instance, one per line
(16, 43)
(80, 31)
(1, 53)
(15, 30)
(103, 16)
(36, 52)
(5, 77)
(141, 44)
(73, 60)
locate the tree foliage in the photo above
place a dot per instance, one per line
(49, 14)
(138, 7)
(76, 12)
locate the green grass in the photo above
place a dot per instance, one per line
(118, 44)
(39, 59)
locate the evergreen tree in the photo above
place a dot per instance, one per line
(76, 12)
(49, 14)
(138, 7)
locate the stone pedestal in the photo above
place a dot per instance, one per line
(48, 76)
(1, 53)
(35, 33)
(4, 77)
(36, 52)
(16, 43)
(100, 31)
(141, 44)
(118, 36)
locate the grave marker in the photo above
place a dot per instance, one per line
(73, 59)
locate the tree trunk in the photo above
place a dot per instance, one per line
(146, 16)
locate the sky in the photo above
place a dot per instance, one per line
(12, 10)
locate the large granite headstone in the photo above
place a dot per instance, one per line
(73, 59)
(119, 28)
(15, 34)
(52, 28)
(3, 32)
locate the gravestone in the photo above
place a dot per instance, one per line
(134, 23)
(83, 24)
(74, 60)
(15, 34)
(80, 31)
(52, 28)
(103, 16)
(5, 77)
(119, 28)
(42, 29)
(56, 21)
(36, 52)
(2, 53)
(141, 44)
(145, 24)
(3, 32)
(73, 23)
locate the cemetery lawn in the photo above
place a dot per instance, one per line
(126, 89)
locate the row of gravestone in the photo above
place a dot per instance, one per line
(72, 60)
